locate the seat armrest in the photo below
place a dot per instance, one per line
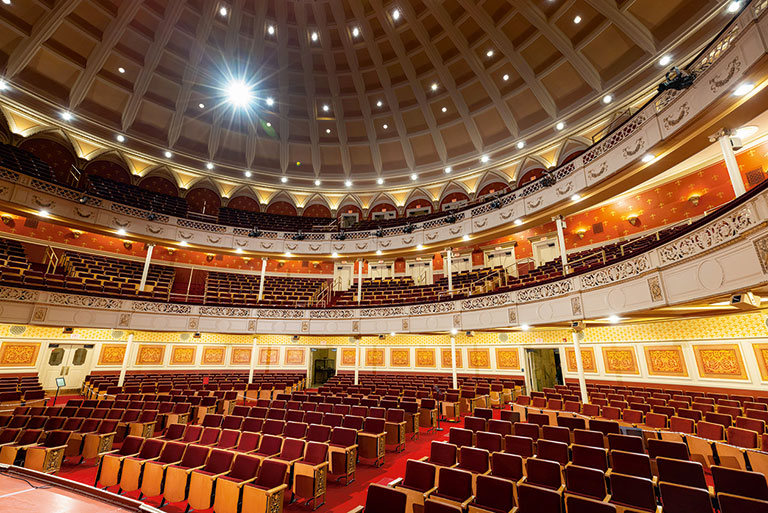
(395, 482)
(219, 475)
(465, 504)
(251, 480)
(189, 470)
(358, 509)
(425, 458)
(430, 492)
(276, 489)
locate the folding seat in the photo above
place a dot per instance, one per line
(241, 411)
(294, 416)
(273, 427)
(553, 451)
(493, 495)
(578, 504)
(418, 484)
(47, 457)
(442, 454)
(99, 441)
(509, 416)
(202, 481)
(19, 421)
(686, 473)
(592, 457)
(174, 432)
(585, 482)
(701, 446)
(474, 460)
(8, 436)
(372, 440)
(209, 436)
(739, 437)
(265, 494)
(606, 427)
(543, 473)
(484, 413)
(428, 414)
(395, 427)
(228, 439)
(641, 407)
(383, 499)
(277, 414)
(723, 419)
(359, 411)
(590, 409)
(502, 427)
(634, 417)
(451, 407)
(295, 430)
(532, 431)
(153, 453)
(333, 420)
(740, 482)
(556, 433)
(258, 412)
(507, 466)
(756, 425)
(736, 504)
(625, 443)
(178, 475)
(27, 438)
(631, 464)
(588, 438)
(110, 465)
(491, 442)
(291, 452)
(270, 447)
(535, 499)
(520, 445)
(252, 425)
(538, 419)
(635, 493)
(572, 423)
(461, 437)
(318, 433)
(313, 417)
(454, 488)
(248, 442)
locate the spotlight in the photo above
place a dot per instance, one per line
(396, 14)
(518, 222)
(744, 89)
(121, 69)
(575, 197)
(83, 200)
(3, 85)
(223, 10)
(614, 319)
(334, 255)
(448, 170)
(524, 327)
(648, 157)
(378, 252)
(734, 6)
(120, 138)
(454, 331)
(408, 228)
(414, 177)
(314, 36)
(355, 32)
(420, 246)
(379, 103)
(451, 219)
(341, 235)
(239, 94)
(484, 159)
(465, 237)
(607, 99)
(505, 77)
(271, 30)
(255, 232)
(521, 145)
(121, 231)
(348, 183)
(677, 80)
(283, 179)
(326, 108)
(151, 216)
(209, 165)
(665, 60)
(299, 236)
(380, 181)
(183, 243)
(288, 254)
(168, 154)
(248, 174)
(201, 105)
(317, 182)
(43, 213)
(560, 125)
(270, 101)
(239, 251)
(66, 116)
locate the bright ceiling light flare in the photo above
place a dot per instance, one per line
(607, 99)
(238, 93)
(648, 157)
(7, 2)
(223, 10)
(576, 197)
(577, 20)
(485, 158)
(270, 101)
(120, 138)
(43, 213)
(560, 125)
(314, 37)
(614, 319)
(734, 6)
(121, 231)
(489, 53)
(448, 170)
(168, 154)
(284, 179)
(248, 174)
(414, 177)
(380, 181)
(521, 145)
(121, 69)
(317, 183)
(465, 237)
(348, 183)
(66, 116)
(396, 14)
(379, 103)
(209, 165)
(271, 30)
(524, 327)
(518, 222)
(747, 131)
(665, 60)
(355, 32)
(3, 85)
(744, 89)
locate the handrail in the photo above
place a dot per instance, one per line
(654, 234)
(570, 265)
(483, 281)
(51, 258)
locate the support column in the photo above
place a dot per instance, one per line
(145, 272)
(253, 361)
(578, 336)
(724, 138)
(126, 357)
(359, 280)
(449, 265)
(261, 278)
(357, 360)
(561, 242)
(453, 361)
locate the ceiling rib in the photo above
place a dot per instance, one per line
(627, 23)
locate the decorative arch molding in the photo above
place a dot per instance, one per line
(55, 150)
(206, 182)
(532, 167)
(383, 202)
(570, 148)
(350, 200)
(454, 187)
(203, 200)
(282, 203)
(160, 180)
(109, 166)
(489, 178)
(244, 202)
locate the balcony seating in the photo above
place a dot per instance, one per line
(225, 288)
(137, 197)
(272, 222)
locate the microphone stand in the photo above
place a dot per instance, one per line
(439, 408)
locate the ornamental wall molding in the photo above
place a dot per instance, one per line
(546, 291)
(101, 303)
(330, 313)
(393, 311)
(224, 311)
(617, 272)
(162, 308)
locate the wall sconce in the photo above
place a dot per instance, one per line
(75, 233)
(209, 258)
(7, 219)
(171, 251)
(694, 200)
(127, 244)
(633, 220)
(580, 234)
(246, 259)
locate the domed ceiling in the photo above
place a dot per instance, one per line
(375, 92)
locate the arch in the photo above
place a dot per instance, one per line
(531, 168)
(317, 206)
(205, 182)
(493, 188)
(383, 202)
(282, 208)
(108, 168)
(496, 180)
(454, 187)
(162, 172)
(453, 197)
(571, 148)
(57, 153)
(246, 203)
(420, 197)
(203, 200)
(159, 184)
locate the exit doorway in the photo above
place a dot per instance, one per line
(544, 369)
(322, 365)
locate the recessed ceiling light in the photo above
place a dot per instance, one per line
(734, 6)
(314, 36)
(378, 252)
(747, 131)
(385, 126)
(355, 32)
(3, 85)
(183, 243)
(66, 116)
(120, 138)
(223, 10)
(414, 177)
(577, 20)
(521, 145)
(419, 246)
(248, 174)
(518, 222)
(396, 14)
(209, 165)
(326, 108)
(327, 130)
(648, 157)
(348, 183)
(744, 89)
(271, 30)
(434, 86)
(43, 213)
(607, 98)
(288, 254)
(334, 255)
(239, 250)
(489, 53)
(7, 2)
(380, 181)
(379, 103)
(448, 170)
(505, 77)
(392, 333)
(121, 69)
(239, 93)
(484, 159)
(575, 197)
(168, 154)
(269, 124)
(465, 237)
(524, 327)
(560, 125)
(317, 182)
(121, 231)
(665, 60)
(201, 105)
(614, 319)
(444, 109)
(283, 179)
(270, 101)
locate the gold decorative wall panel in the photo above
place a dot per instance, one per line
(150, 354)
(295, 356)
(400, 357)
(665, 361)
(240, 356)
(508, 359)
(348, 357)
(183, 355)
(19, 354)
(722, 361)
(478, 358)
(269, 356)
(587, 359)
(374, 357)
(620, 360)
(445, 359)
(112, 354)
(425, 358)
(213, 355)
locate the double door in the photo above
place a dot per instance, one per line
(69, 361)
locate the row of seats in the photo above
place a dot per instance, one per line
(131, 195)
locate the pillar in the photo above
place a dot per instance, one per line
(453, 361)
(359, 280)
(126, 357)
(561, 242)
(449, 268)
(263, 275)
(724, 138)
(145, 272)
(357, 360)
(254, 343)
(578, 336)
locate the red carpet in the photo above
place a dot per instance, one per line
(339, 498)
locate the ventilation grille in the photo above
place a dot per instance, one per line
(755, 176)
(18, 330)
(503, 337)
(184, 337)
(117, 334)
(597, 228)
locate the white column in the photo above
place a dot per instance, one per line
(561, 241)
(449, 265)
(261, 278)
(359, 280)
(127, 355)
(453, 362)
(253, 360)
(145, 272)
(730, 162)
(577, 338)
(357, 360)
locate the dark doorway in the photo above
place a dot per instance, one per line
(544, 368)
(323, 365)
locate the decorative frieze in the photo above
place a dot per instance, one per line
(549, 290)
(618, 272)
(224, 311)
(718, 232)
(165, 308)
(86, 301)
